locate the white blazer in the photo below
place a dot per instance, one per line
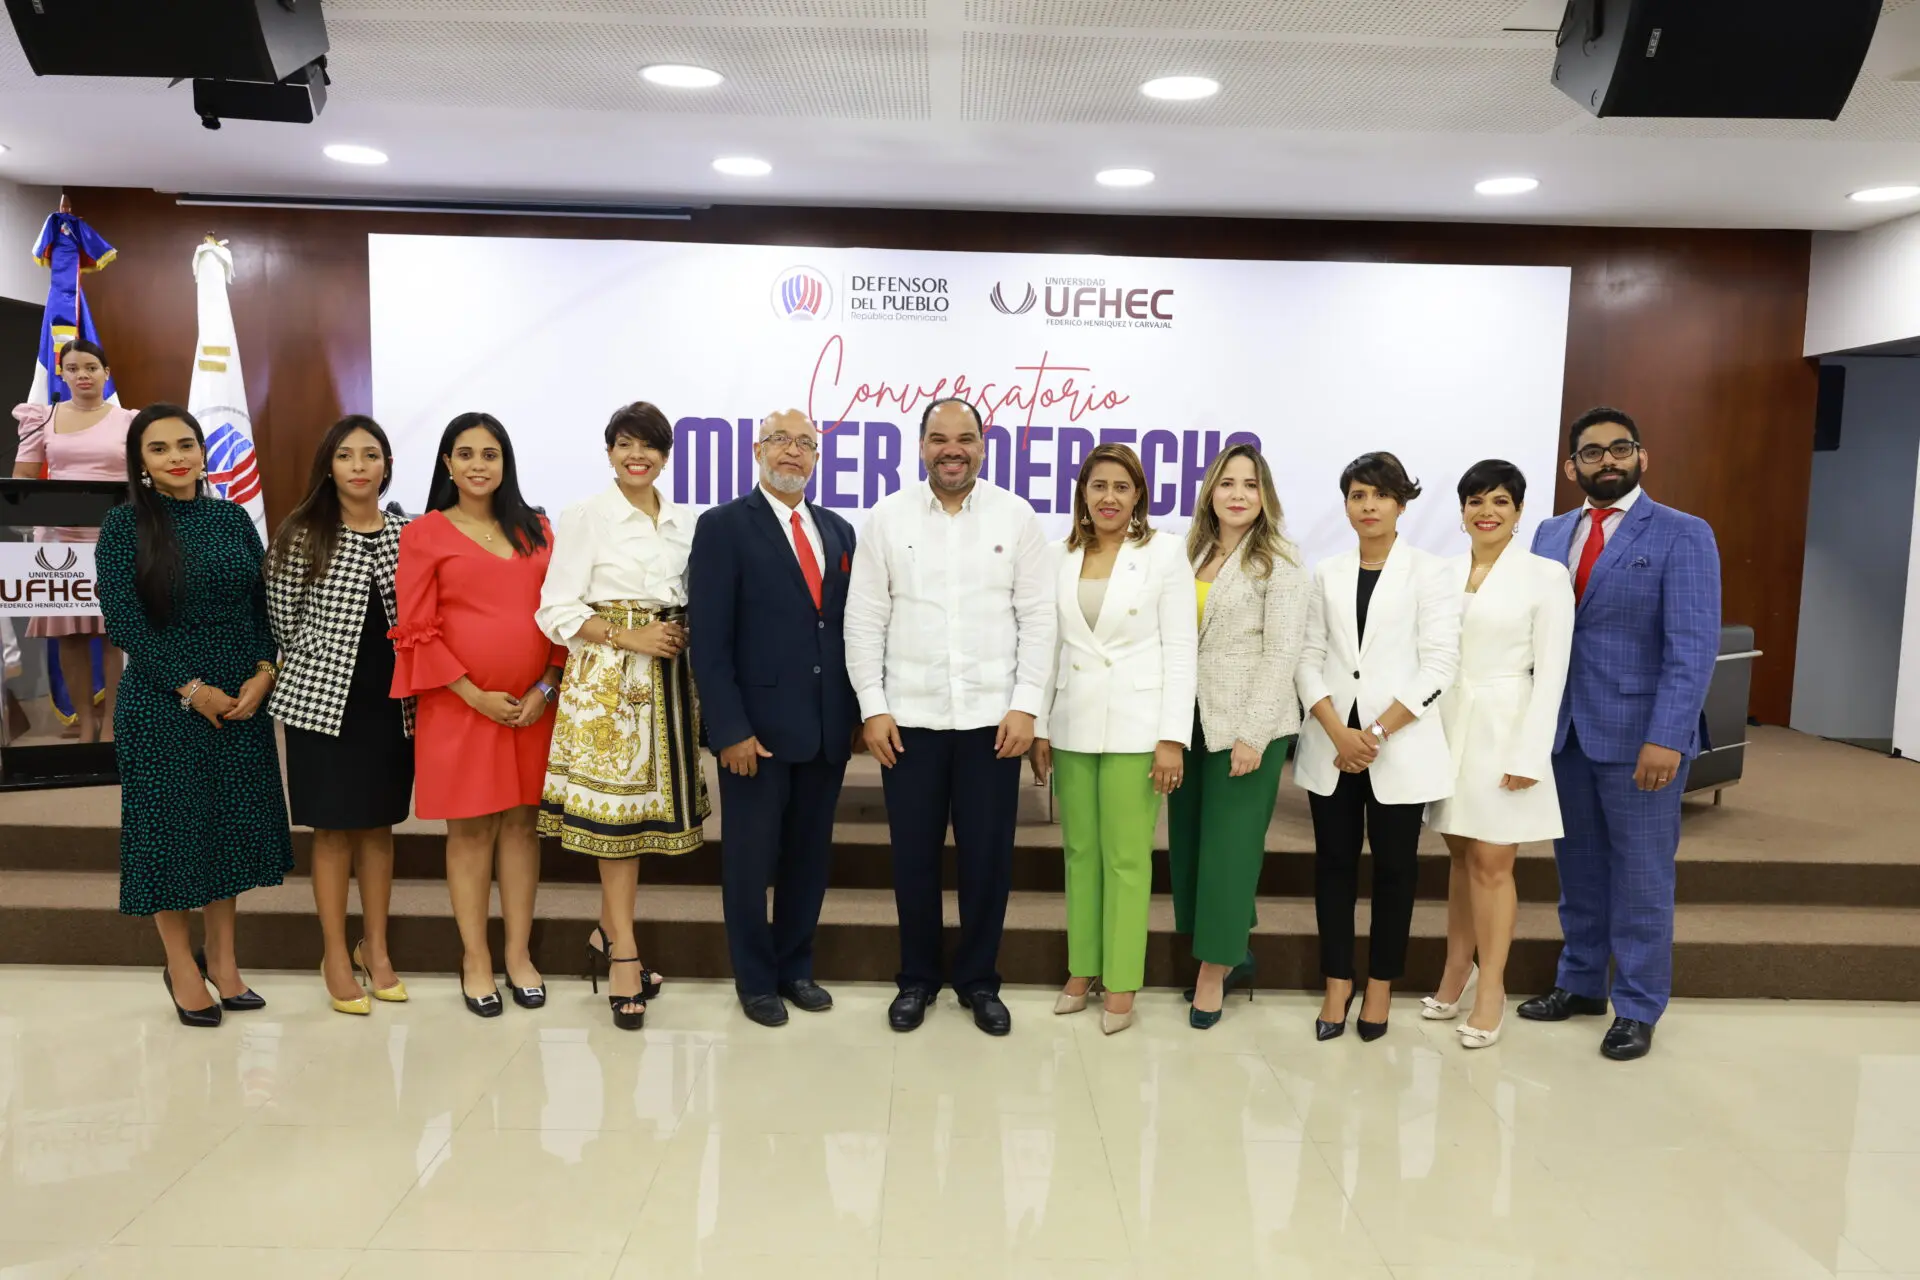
(1126, 683)
(1516, 634)
(1409, 656)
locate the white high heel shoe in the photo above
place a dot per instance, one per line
(1472, 1037)
(1434, 1010)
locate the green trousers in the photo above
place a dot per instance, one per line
(1217, 843)
(1108, 808)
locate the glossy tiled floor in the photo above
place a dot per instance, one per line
(1759, 1140)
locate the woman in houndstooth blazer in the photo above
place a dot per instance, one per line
(1252, 595)
(349, 755)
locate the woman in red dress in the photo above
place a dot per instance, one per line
(466, 646)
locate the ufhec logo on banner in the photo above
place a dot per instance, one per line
(802, 293)
(47, 579)
(1083, 302)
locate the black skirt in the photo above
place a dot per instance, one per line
(364, 777)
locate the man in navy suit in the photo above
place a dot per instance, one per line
(767, 593)
(1646, 635)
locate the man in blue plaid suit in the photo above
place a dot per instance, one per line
(1646, 634)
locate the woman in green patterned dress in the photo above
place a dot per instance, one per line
(202, 817)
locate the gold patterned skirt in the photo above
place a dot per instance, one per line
(624, 777)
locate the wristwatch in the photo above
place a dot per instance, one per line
(1379, 732)
(548, 691)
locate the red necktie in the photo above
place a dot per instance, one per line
(809, 568)
(1590, 553)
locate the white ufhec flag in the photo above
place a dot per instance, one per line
(218, 394)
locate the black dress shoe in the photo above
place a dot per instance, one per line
(808, 994)
(1560, 1004)
(246, 1002)
(989, 1014)
(207, 1017)
(768, 1011)
(908, 1010)
(1626, 1040)
(528, 997)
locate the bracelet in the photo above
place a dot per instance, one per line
(614, 632)
(186, 699)
(271, 668)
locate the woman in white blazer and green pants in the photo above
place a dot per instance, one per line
(1117, 718)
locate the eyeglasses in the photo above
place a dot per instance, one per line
(779, 440)
(1619, 451)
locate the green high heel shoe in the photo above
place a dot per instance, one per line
(1241, 975)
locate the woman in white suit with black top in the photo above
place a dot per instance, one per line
(1382, 647)
(1516, 635)
(1115, 721)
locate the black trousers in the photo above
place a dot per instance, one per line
(1340, 822)
(779, 832)
(951, 776)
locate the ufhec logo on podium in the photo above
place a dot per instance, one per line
(47, 579)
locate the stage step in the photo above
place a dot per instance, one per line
(1721, 950)
(863, 860)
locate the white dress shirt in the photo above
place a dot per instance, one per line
(1584, 529)
(950, 618)
(608, 549)
(784, 514)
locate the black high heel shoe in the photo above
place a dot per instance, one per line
(598, 966)
(1324, 1030)
(207, 1017)
(1241, 975)
(246, 1002)
(1371, 1031)
(623, 1018)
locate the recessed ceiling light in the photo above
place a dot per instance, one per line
(675, 75)
(1506, 186)
(1180, 88)
(352, 153)
(1123, 177)
(1881, 195)
(742, 166)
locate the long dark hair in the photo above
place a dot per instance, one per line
(520, 521)
(1138, 530)
(156, 559)
(314, 525)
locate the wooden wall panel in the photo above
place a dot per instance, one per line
(1697, 333)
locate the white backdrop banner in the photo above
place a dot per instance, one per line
(47, 579)
(1316, 361)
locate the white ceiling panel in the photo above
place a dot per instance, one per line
(1331, 108)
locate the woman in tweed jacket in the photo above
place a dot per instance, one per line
(1253, 608)
(349, 755)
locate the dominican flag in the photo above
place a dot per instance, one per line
(218, 395)
(69, 249)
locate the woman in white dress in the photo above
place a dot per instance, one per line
(1516, 632)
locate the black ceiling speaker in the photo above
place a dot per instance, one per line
(1713, 59)
(258, 40)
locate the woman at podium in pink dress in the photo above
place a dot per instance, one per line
(1516, 635)
(81, 438)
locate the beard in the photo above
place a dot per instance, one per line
(781, 482)
(1606, 487)
(965, 482)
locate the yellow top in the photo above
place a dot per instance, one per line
(1200, 590)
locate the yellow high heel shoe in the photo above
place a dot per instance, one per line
(395, 994)
(359, 1005)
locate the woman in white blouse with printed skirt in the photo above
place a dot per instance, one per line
(1516, 634)
(624, 778)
